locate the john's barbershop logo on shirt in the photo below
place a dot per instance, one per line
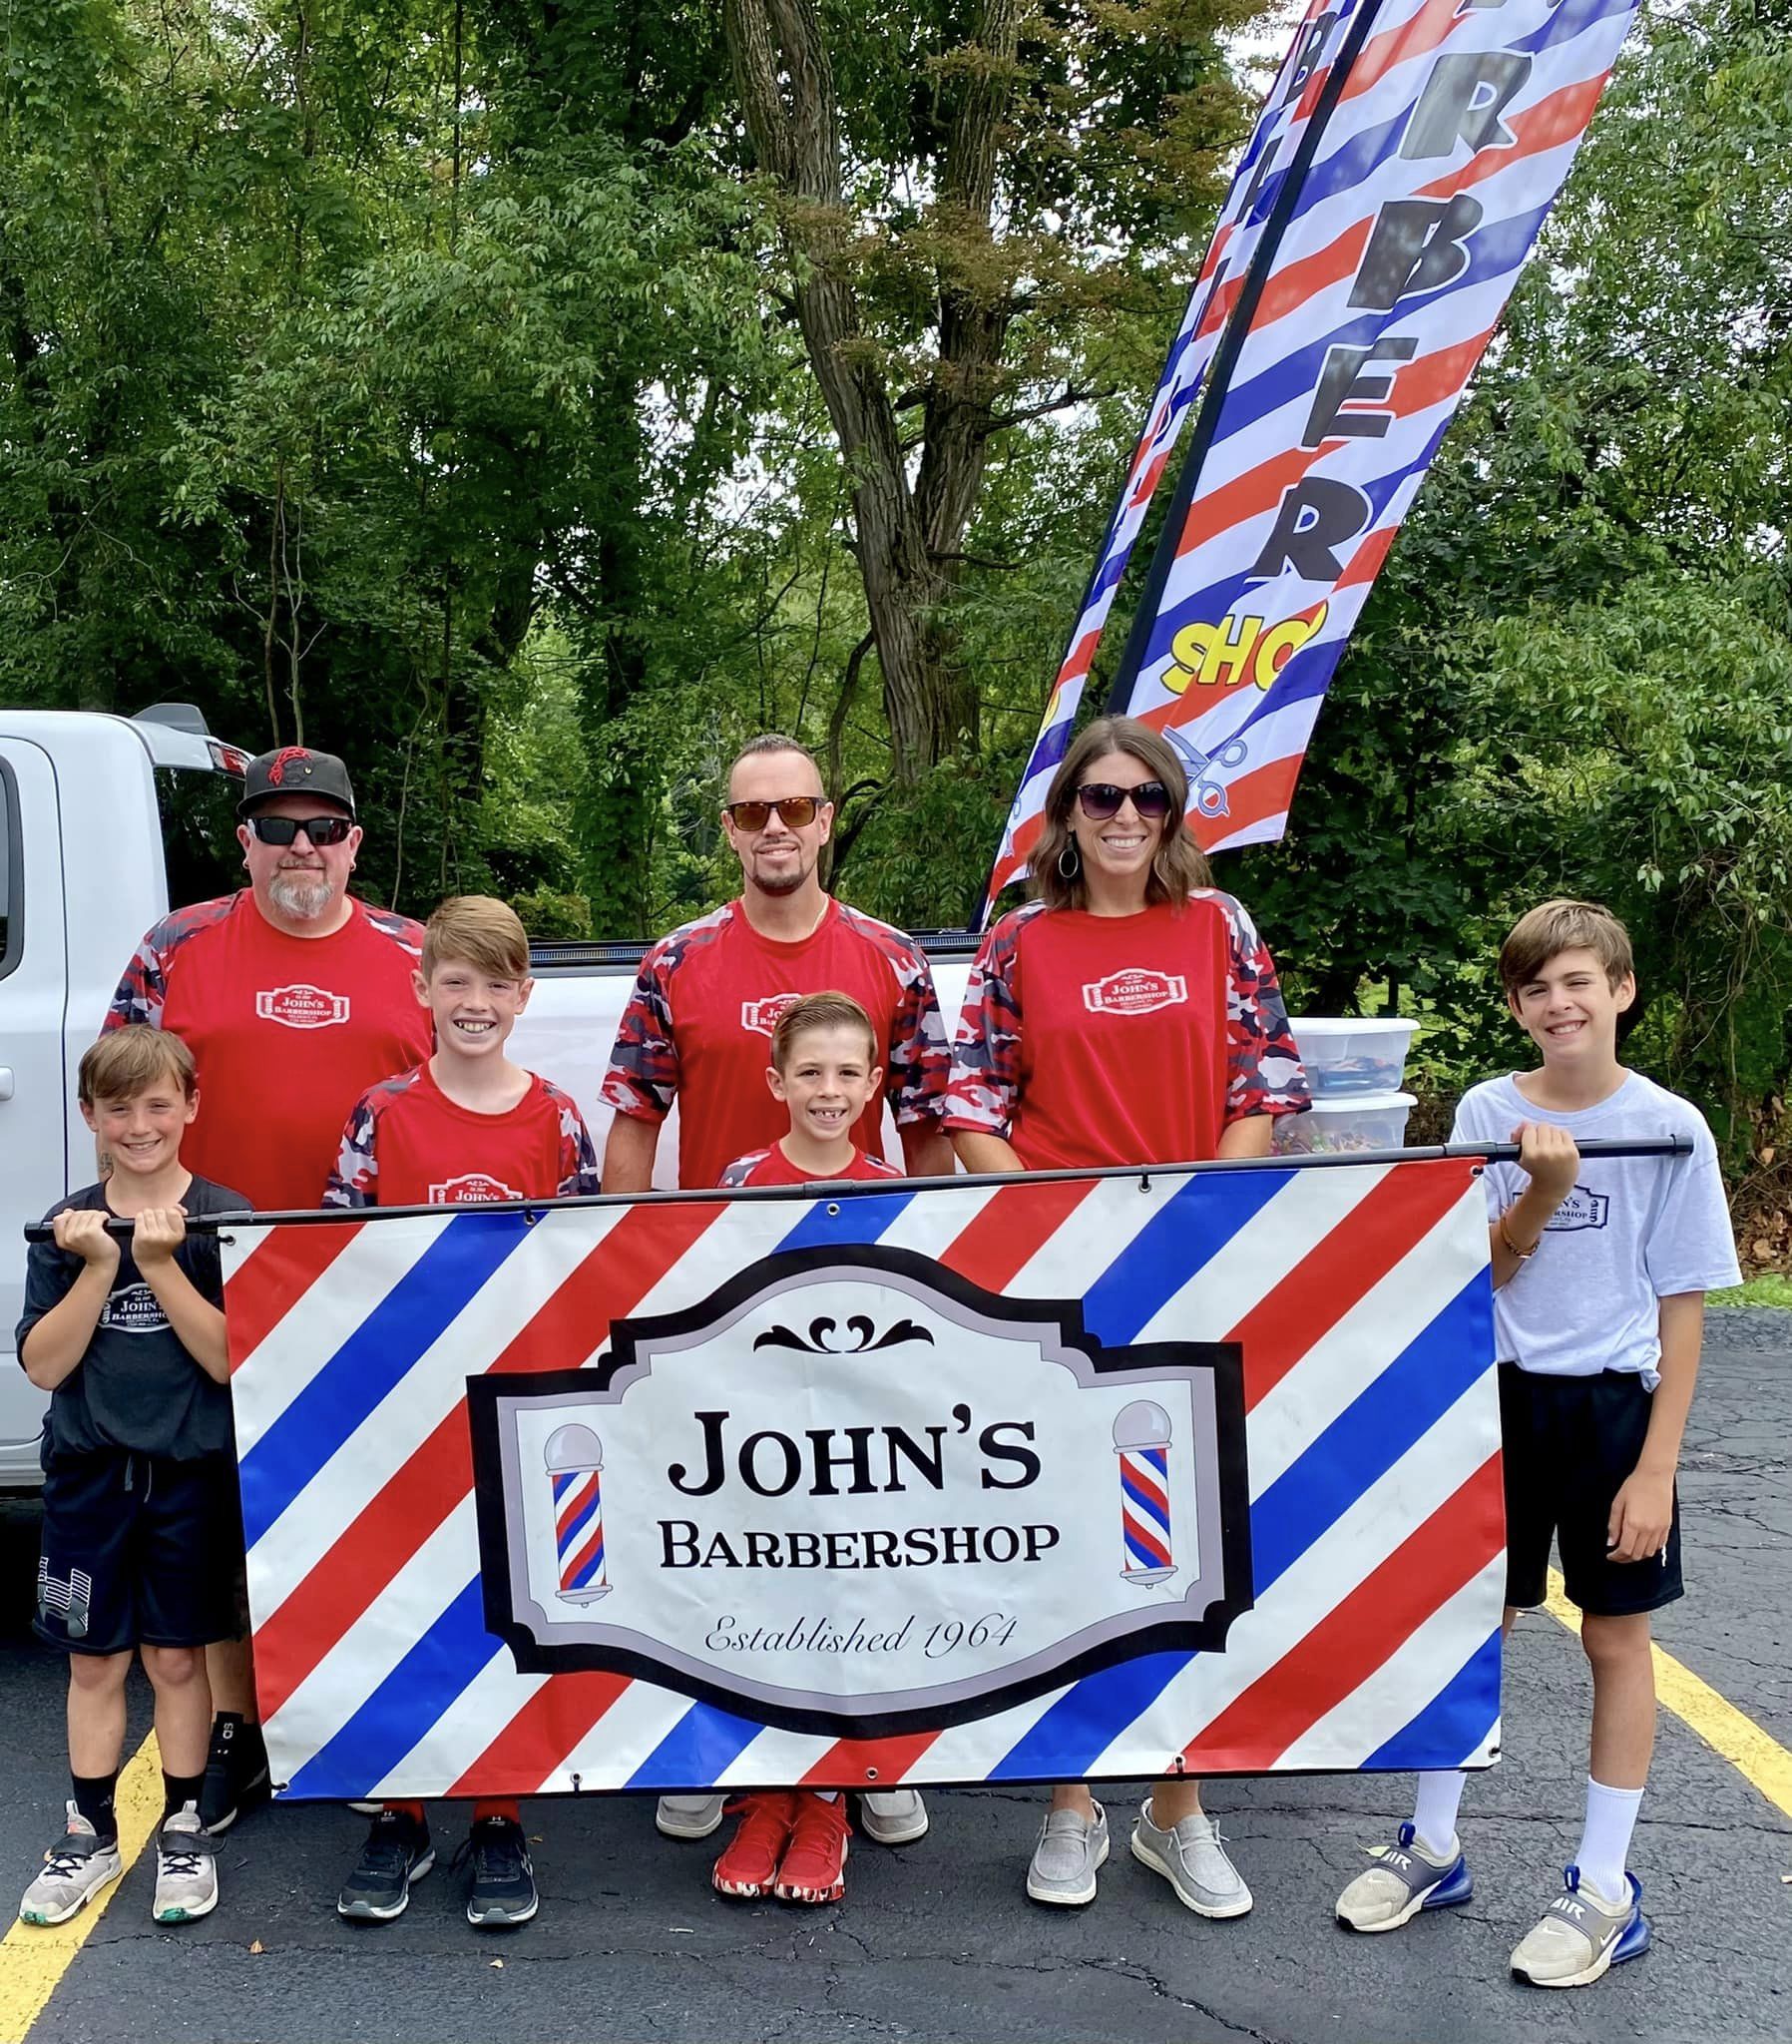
(134, 1309)
(1135, 991)
(762, 1016)
(470, 1188)
(1580, 1210)
(301, 1007)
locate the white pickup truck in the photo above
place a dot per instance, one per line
(106, 821)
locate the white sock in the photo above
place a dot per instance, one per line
(1434, 1810)
(1605, 1843)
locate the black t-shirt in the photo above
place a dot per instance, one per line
(136, 1387)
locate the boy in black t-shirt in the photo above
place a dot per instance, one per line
(140, 1515)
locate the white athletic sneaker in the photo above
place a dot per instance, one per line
(186, 1868)
(1193, 1859)
(687, 1816)
(76, 1868)
(893, 1816)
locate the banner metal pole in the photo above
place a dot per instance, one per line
(836, 1190)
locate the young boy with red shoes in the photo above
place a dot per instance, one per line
(791, 1843)
(466, 1126)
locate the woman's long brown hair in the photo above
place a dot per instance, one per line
(1179, 865)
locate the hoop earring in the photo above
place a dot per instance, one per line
(1069, 861)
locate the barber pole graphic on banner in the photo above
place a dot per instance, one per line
(1052, 1481)
(1433, 144)
(1250, 203)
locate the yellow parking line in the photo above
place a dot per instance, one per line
(33, 1959)
(1724, 1727)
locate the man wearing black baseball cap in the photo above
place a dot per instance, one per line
(294, 997)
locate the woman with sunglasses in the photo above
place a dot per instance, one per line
(1127, 1014)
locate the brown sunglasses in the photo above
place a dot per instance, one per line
(794, 811)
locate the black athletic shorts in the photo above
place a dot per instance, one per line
(138, 1551)
(1569, 1445)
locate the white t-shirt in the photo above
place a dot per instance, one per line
(1634, 1230)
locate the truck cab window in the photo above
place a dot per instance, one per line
(198, 834)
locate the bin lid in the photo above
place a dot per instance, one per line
(1352, 1025)
(1362, 1103)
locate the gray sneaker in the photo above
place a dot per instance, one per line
(1581, 1935)
(1070, 1853)
(687, 1816)
(893, 1816)
(185, 1870)
(1193, 1859)
(74, 1870)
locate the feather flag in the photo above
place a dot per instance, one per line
(1252, 199)
(1436, 142)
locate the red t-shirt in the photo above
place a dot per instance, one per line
(408, 1144)
(697, 1029)
(773, 1168)
(1137, 1039)
(288, 1033)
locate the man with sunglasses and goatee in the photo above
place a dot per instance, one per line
(294, 998)
(698, 1025)
(697, 1029)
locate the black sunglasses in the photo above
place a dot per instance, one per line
(321, 830)
(1101, 799)
(795, 810)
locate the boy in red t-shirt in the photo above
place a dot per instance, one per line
(464, 1128)
(825, 1070)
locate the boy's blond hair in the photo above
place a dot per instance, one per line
(1564, 925)
(484, 932)
(129, 1061)
(820, 1011)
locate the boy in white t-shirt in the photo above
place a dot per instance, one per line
(1601, 1266)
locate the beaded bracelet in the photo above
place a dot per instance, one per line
(1524, 1256)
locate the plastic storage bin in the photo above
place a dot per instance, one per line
(1353, 1054)
(1335, 1125)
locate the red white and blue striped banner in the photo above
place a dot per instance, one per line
(378, 1363)
(1437, 142)
(1250, 203)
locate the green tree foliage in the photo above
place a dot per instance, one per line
(534, 399)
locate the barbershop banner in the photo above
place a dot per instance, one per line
(1055, 1480)
(1407, 158)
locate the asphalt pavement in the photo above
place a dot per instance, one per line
(937, 1941)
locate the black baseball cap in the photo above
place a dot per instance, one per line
(295, 770)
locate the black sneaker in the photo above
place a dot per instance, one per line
(396, 1854)
(504, 1892)
(235, 1772)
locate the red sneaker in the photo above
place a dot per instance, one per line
(813, 1868)
(749, 1862)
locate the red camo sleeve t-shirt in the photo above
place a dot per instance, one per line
(287, 1032)
(1103, 1040)
(698, 1025)
(408, 1144)
(773, 1168)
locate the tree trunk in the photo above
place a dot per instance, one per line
(907, 538)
